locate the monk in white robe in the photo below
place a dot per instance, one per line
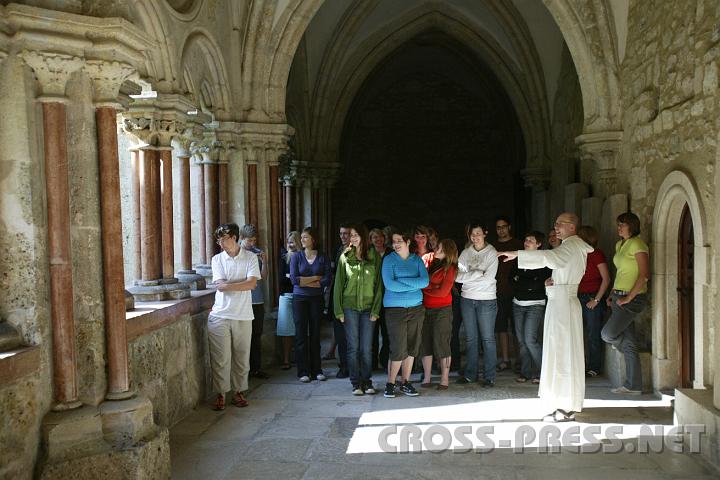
(562, 378)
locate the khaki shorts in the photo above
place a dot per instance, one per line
(404, 327)
(437, 332)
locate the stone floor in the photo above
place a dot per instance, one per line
(319, 430)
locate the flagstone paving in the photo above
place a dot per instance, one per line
(320, 431)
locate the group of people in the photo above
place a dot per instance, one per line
(415, 290)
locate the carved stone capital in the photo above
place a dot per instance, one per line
(52, 71)
(536, 177)
(602, 148)
(107, 77)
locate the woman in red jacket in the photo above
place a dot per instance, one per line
(437, 299)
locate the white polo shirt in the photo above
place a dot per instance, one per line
(234, 305)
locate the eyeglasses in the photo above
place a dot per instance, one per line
(560, 222)
(501, 227)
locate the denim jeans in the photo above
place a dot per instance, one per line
(620, 332)
(359, 333)
(592, 323)
(527, 319)
(479, 319)
(307, 311)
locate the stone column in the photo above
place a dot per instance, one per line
(137, 239)
(107, 78)
(166, 189)
(186, 274)
(289, 206)
(52, 72)
(275, 213)
(538, 180)
(210, 172)
(252, 195)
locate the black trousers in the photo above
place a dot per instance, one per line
(307, 311)
(256, 340)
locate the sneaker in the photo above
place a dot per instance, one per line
(321, 377)
(389, 390)
(408, 389)
(305, 379)
(488, 384)
(342, 373)
(625, 391)
(239, 400)
(219, 402)
(369, 389)
(462, 381)
(357, 391)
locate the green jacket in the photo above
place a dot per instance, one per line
(358, 285)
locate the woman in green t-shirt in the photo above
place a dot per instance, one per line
(628, 299)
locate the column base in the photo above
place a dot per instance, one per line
(192, 279)
(205, 271)
(129, 301)
(120, 440)
(158, 290)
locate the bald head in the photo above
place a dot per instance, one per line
(566, 225)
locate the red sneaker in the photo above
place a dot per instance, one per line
(219, 402)
(239, 400)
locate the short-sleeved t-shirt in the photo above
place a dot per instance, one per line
(626, 263)
(234, 305)
(592, 279)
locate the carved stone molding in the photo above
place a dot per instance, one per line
(107, 78)
(52, 71)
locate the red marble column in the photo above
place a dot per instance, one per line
(252, 193)
(211, 207)
(113, 270)
(59, 254)
(137, 238)
(222, 192)
(184, 213)
(168, 242)
(275, 228)
(149, 214)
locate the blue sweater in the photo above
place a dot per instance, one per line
(403, 280)
(299, 267)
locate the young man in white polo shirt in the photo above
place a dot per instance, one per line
(235, 273)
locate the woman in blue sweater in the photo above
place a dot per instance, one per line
(404, 276)
(310, 273)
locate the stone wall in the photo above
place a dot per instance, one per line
(670, 95)
(24, 285)
(422, 146)
(171, 367)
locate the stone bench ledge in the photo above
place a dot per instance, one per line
(150, 316)
(17, 363)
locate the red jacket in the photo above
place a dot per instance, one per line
(437, 293)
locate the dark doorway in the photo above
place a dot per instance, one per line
(686, 297)
(432, 138)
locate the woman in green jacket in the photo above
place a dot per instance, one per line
(358, 297)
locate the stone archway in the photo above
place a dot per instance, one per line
(677, 191)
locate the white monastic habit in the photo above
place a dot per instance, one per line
(562, 378)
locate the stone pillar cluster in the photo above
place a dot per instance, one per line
(159, 126)
(304, 182)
